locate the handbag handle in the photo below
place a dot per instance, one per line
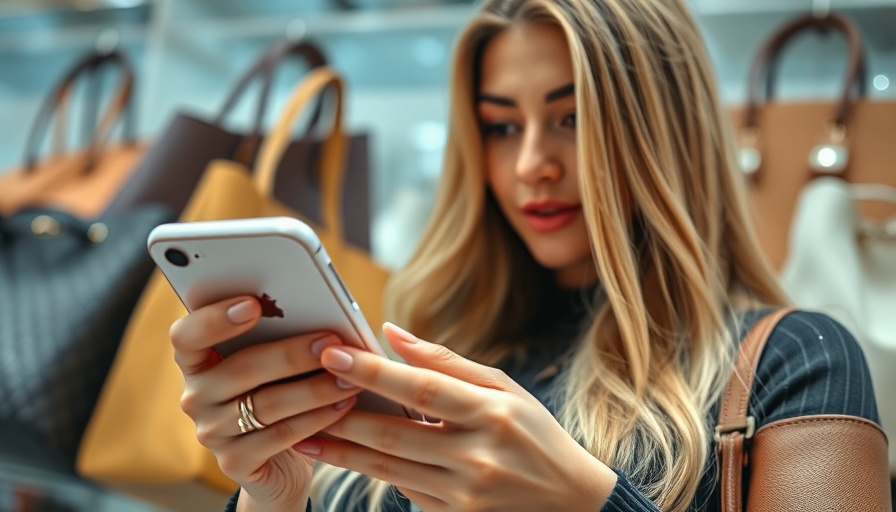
(332, 161)
(734, 426)
(767, 58)
(263, 69)
(57, 103)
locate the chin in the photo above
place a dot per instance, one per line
(556, 257)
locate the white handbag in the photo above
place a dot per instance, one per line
(845, 265)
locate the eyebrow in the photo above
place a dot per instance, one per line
(556, 94)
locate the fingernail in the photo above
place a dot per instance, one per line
(308, 447)
(343, 404)
(344, 384)
(242, 312)
(337, 359)
(318, 346)
(403, 334)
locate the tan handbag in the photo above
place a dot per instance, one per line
(83, 181)
(808, 463)
(139, 441)
(786, 144)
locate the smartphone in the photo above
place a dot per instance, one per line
(281, 262)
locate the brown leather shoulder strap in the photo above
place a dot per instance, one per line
(734, 426)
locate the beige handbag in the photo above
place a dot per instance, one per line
(139, 441)
(786, 144)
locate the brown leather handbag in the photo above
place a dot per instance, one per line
(80, 181)
(808, 463)
(784, 145)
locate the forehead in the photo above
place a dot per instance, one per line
(531, 56)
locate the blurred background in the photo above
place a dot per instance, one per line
(187, 55)
(394, 54)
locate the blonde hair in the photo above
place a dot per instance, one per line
(670, 232)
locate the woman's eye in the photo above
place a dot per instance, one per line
(498, 129)
(569, 120)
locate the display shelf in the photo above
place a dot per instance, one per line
(727, 8)
(405, 19)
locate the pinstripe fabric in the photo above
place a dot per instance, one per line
(811, 365)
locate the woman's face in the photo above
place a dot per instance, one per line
(527, 111)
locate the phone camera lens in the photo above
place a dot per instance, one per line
(177, 257)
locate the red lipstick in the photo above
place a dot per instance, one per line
(547, 216)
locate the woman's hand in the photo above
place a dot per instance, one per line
(271, 474)
(496, 447)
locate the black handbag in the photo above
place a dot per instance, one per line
(175, 163)
(67, 289)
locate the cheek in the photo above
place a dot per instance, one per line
(499, 172)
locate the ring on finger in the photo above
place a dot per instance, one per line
(247, 421)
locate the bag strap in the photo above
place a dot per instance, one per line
(768, 55)
(734, 426)
(57, 102)
(263, 69)
(332, 161)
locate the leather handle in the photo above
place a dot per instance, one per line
(734, 426)
(263, 69)
(57, 103)
(332, 161)
(766, 62)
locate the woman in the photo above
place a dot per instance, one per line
(587, 273)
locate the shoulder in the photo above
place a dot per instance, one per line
(812, 365)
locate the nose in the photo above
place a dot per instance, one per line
(536, 161)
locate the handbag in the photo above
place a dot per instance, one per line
(67, 288)
(786, 144)
(845, 265)
(139, 441)
(176, 162)
(780, 459)
(83, 181)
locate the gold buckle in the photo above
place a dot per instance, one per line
(748, 427)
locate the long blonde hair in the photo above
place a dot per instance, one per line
(670, 231)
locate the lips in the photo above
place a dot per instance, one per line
(547, 216)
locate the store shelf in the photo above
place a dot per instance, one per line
(726, 8)
(407, 19)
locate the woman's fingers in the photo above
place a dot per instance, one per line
(248, 452)
(423, 354)
(260, 364)
(194, 335)
(427, 391)
(270, 404)
(400, 437)
(422, 478)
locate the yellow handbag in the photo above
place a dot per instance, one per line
(139, 441)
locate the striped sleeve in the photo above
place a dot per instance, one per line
(812, 365)
(231, 503)
(627, 498)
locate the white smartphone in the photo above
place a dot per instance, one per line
(280, 261)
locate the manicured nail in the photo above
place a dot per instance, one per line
(404, 335)
(318, 346)
(308, 447)
(344, 384)
(242, 312)
(343, 404)
(338, 359)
